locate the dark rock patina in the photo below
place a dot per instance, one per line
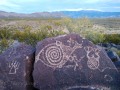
(67, 61)
(16, 66)
(110, 49)
(117, 64)
(113, 55)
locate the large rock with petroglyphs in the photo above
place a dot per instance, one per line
(70, 61)
(16, 65)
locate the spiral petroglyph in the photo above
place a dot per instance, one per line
(51, 55)
(56, 54)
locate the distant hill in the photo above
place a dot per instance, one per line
(4, 14)
(59, 14)
(91, 14)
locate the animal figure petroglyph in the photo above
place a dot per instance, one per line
(14, 65)
(93, 62)
(55, 55)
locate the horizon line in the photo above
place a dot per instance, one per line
(75, 10)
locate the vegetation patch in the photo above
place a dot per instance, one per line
(31, 31)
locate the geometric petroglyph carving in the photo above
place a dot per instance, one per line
(56, 54)
(14, 65)
(108, 78)
(93, 62)
(76, 61)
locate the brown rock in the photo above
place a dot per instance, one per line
(16, 66)
(70, 60)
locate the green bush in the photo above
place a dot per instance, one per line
(46, 27)
(26, 35)
(4, 44)
(32, 37)
(5, 32)
(115, 50)
(113, 38)
(94, 36)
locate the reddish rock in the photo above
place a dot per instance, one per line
(70, 60)
(16, 66)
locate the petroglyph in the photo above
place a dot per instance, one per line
(94, 59)
(72, 62)
(76, 61)
(14, 65)
(93, 62)
(108, 78)
(55, 55)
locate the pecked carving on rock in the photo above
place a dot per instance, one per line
(16, 66)
(55, 55)
(71, 60)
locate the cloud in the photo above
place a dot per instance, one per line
(8, 3)
(28, 6)
(79, 9)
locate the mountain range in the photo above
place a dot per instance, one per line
(59, 14)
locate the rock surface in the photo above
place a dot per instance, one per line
(113, 56)
(70, 60)
(16, 66)
(111, 50)
(117, 64)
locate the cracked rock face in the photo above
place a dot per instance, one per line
(16, 66)
(70, 60)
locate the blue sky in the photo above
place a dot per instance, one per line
(30, 6)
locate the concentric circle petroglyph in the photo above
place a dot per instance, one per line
(54, 55)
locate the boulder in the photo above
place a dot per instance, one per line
(113, 55)
(69, 61)
(117, 64)
(16, 66)
(118, 47)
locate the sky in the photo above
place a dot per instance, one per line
(31, 6)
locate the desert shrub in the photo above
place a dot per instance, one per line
(112, 38)
(5, 32)
(118, 53)
(25, 36)
(78, 25)
(4, 44)
(55, 33)
(27, 27)
(115, 50)
(68, 23)
(94, 36)
(58, 23)
(46, 27)
(32, 37)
